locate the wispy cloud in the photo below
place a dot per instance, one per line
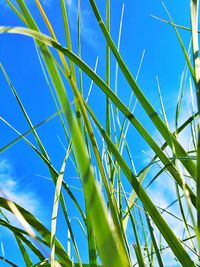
(13, 189)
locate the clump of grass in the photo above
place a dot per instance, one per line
(110, 213)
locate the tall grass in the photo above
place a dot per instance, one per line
(121, 228)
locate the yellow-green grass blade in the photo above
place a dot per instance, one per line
(39, 227)
(64, 102)
(90, 227)
(61, 92)
(161, 224)
(158, 122)
(67, 34)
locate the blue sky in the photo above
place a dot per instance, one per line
(22, 175)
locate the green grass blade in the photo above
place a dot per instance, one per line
(108, 71)
(25, 113)
(181, 43)
(55, 206)
(154, 241)
(160, 125)
(136, 233)
(25, 255)
(14, 141)
(194, 10)
(10, 263)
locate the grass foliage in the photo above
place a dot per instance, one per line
(120, 228)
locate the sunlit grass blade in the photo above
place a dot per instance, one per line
(38, 226)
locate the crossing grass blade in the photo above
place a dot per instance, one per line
(171, 168)
(37, 226)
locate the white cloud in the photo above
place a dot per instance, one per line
(12, 189)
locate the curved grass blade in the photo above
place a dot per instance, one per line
(49, 41)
